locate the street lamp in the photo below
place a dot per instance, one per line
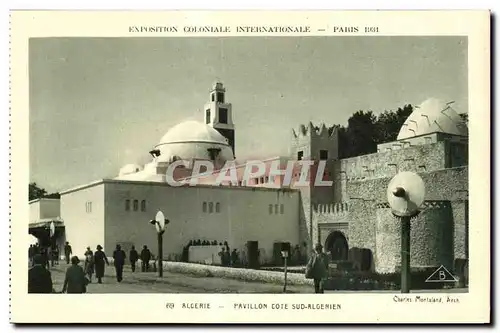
(160, 222)
(405, 194)
(285, 252)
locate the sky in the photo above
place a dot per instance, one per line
(97, 104)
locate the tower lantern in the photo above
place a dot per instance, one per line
(218, 113)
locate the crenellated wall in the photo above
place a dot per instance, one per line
(332, 209)
(310, 142)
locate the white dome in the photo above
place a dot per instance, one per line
(432, 116)
(129, 168)
(192, 140)
(192, 131)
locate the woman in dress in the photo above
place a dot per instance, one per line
(99, 260)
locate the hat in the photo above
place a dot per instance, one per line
(75, 260)
(99, 247)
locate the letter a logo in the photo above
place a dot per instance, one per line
(441, 275)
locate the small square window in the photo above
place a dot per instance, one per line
(323, 154)
(223, 116)
(88, 207)
(220, 97)
(207, 116)
(300, 154)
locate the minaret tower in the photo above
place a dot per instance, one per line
(218, 113)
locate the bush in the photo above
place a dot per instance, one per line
(358, 280)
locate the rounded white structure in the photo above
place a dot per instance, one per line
(193, 140)
(432, 116)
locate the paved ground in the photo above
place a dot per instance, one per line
(139, 282)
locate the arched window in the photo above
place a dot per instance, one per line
(270, 208)
(204, 207)
(143, 205)
(210, 207)
(217, 207)
(282, 209)
(127, 205)
(276, 209)
(136, 205)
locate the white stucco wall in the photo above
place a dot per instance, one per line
(84, 227)
(50, 208)
(43, 209)
(244, 216)
(205, 254)
(34, 211)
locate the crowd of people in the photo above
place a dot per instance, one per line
(78, 277)
(49, 255)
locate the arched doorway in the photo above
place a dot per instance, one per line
(336, 245)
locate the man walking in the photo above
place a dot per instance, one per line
(39, 278)
(145, 258)
(119, 261)
(75, 281)
(317, 268)
(67, 252)
(133, 257)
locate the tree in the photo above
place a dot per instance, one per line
(365, 131)
(358, 137)
(389, 123)
(36, 192)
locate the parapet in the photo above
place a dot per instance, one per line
(332, 208)
(314, 131)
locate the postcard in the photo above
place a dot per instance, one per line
(250, 167)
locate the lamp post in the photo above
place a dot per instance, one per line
(405, 194)
(284, 254)
(160, 222)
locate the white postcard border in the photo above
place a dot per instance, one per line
(355, 308)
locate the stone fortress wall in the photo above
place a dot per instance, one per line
(356, 205)
(439, 234)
